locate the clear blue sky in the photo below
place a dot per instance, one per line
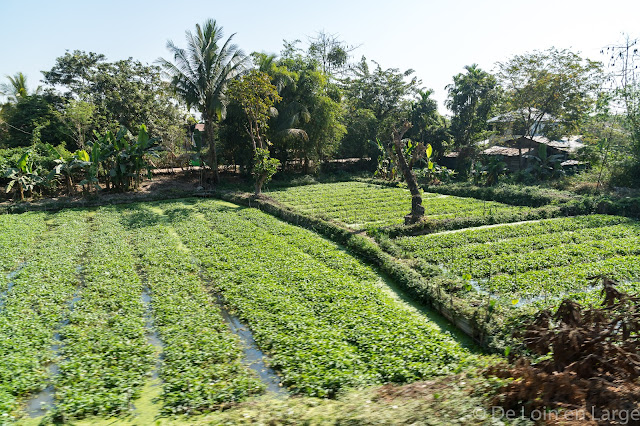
(435, 38)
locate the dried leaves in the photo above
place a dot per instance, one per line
(594, 363)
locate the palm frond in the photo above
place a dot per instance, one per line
(200, 73)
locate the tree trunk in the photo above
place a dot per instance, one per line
(69, 181)
(213, 154)
(417, 210)
(259, 183)
(519, 154)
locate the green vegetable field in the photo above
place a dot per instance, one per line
(82, 291)
(360, 205)
(535, 260)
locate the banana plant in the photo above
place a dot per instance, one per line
(494, 169)
(544, 165)
(98, 153)
(23, 177)
(143, 148)
(68, 168)
(386, 164)
(126, 172)
(122, 158)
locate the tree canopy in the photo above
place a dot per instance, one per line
(200, 75)
(123, 93)
(549, 92)
(471, 98)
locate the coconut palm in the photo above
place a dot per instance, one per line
(17, 87)
(201, 73)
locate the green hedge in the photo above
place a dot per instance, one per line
(517, 195)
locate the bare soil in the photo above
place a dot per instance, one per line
(165, 184)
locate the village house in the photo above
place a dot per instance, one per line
(518, 151)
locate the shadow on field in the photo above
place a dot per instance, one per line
(439, 321)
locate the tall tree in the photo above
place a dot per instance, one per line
(380, 98)
(417, 210)
(308, 125)
(32, 119)
(79, 118)
(623, 61)
(75, 71)
(255, 93)
(286, 127)
(554, 87)
(393, 97)
(123, 93)
(471, 99)
(201, 73)
(428, 126)
(331, 53)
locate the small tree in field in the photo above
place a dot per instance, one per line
(417, 210)
(256, 95)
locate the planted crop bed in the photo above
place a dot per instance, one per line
(106, 355)
(18, 234)
(36, 305)
(201, 366)
(537, 260)
(325, 318)
(361, 205)
(96, 284)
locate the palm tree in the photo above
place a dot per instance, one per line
(289, 114)
(17, 87)
(201, 73)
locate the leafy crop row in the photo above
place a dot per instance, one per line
(326, 320)
(425, 244)
(359, 204)
(107, 357)
(534, 260)
(18, 234)
(36, 305)
(201, 367)
(522, 245)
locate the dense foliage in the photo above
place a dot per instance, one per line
(331, 106)
(113, 94)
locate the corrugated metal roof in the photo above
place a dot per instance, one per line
(504, 151)
(569, 163)
(571, 144)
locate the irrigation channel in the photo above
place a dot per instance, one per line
(253, 357)
(40, 403)
(10, 276)
(151, 333)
